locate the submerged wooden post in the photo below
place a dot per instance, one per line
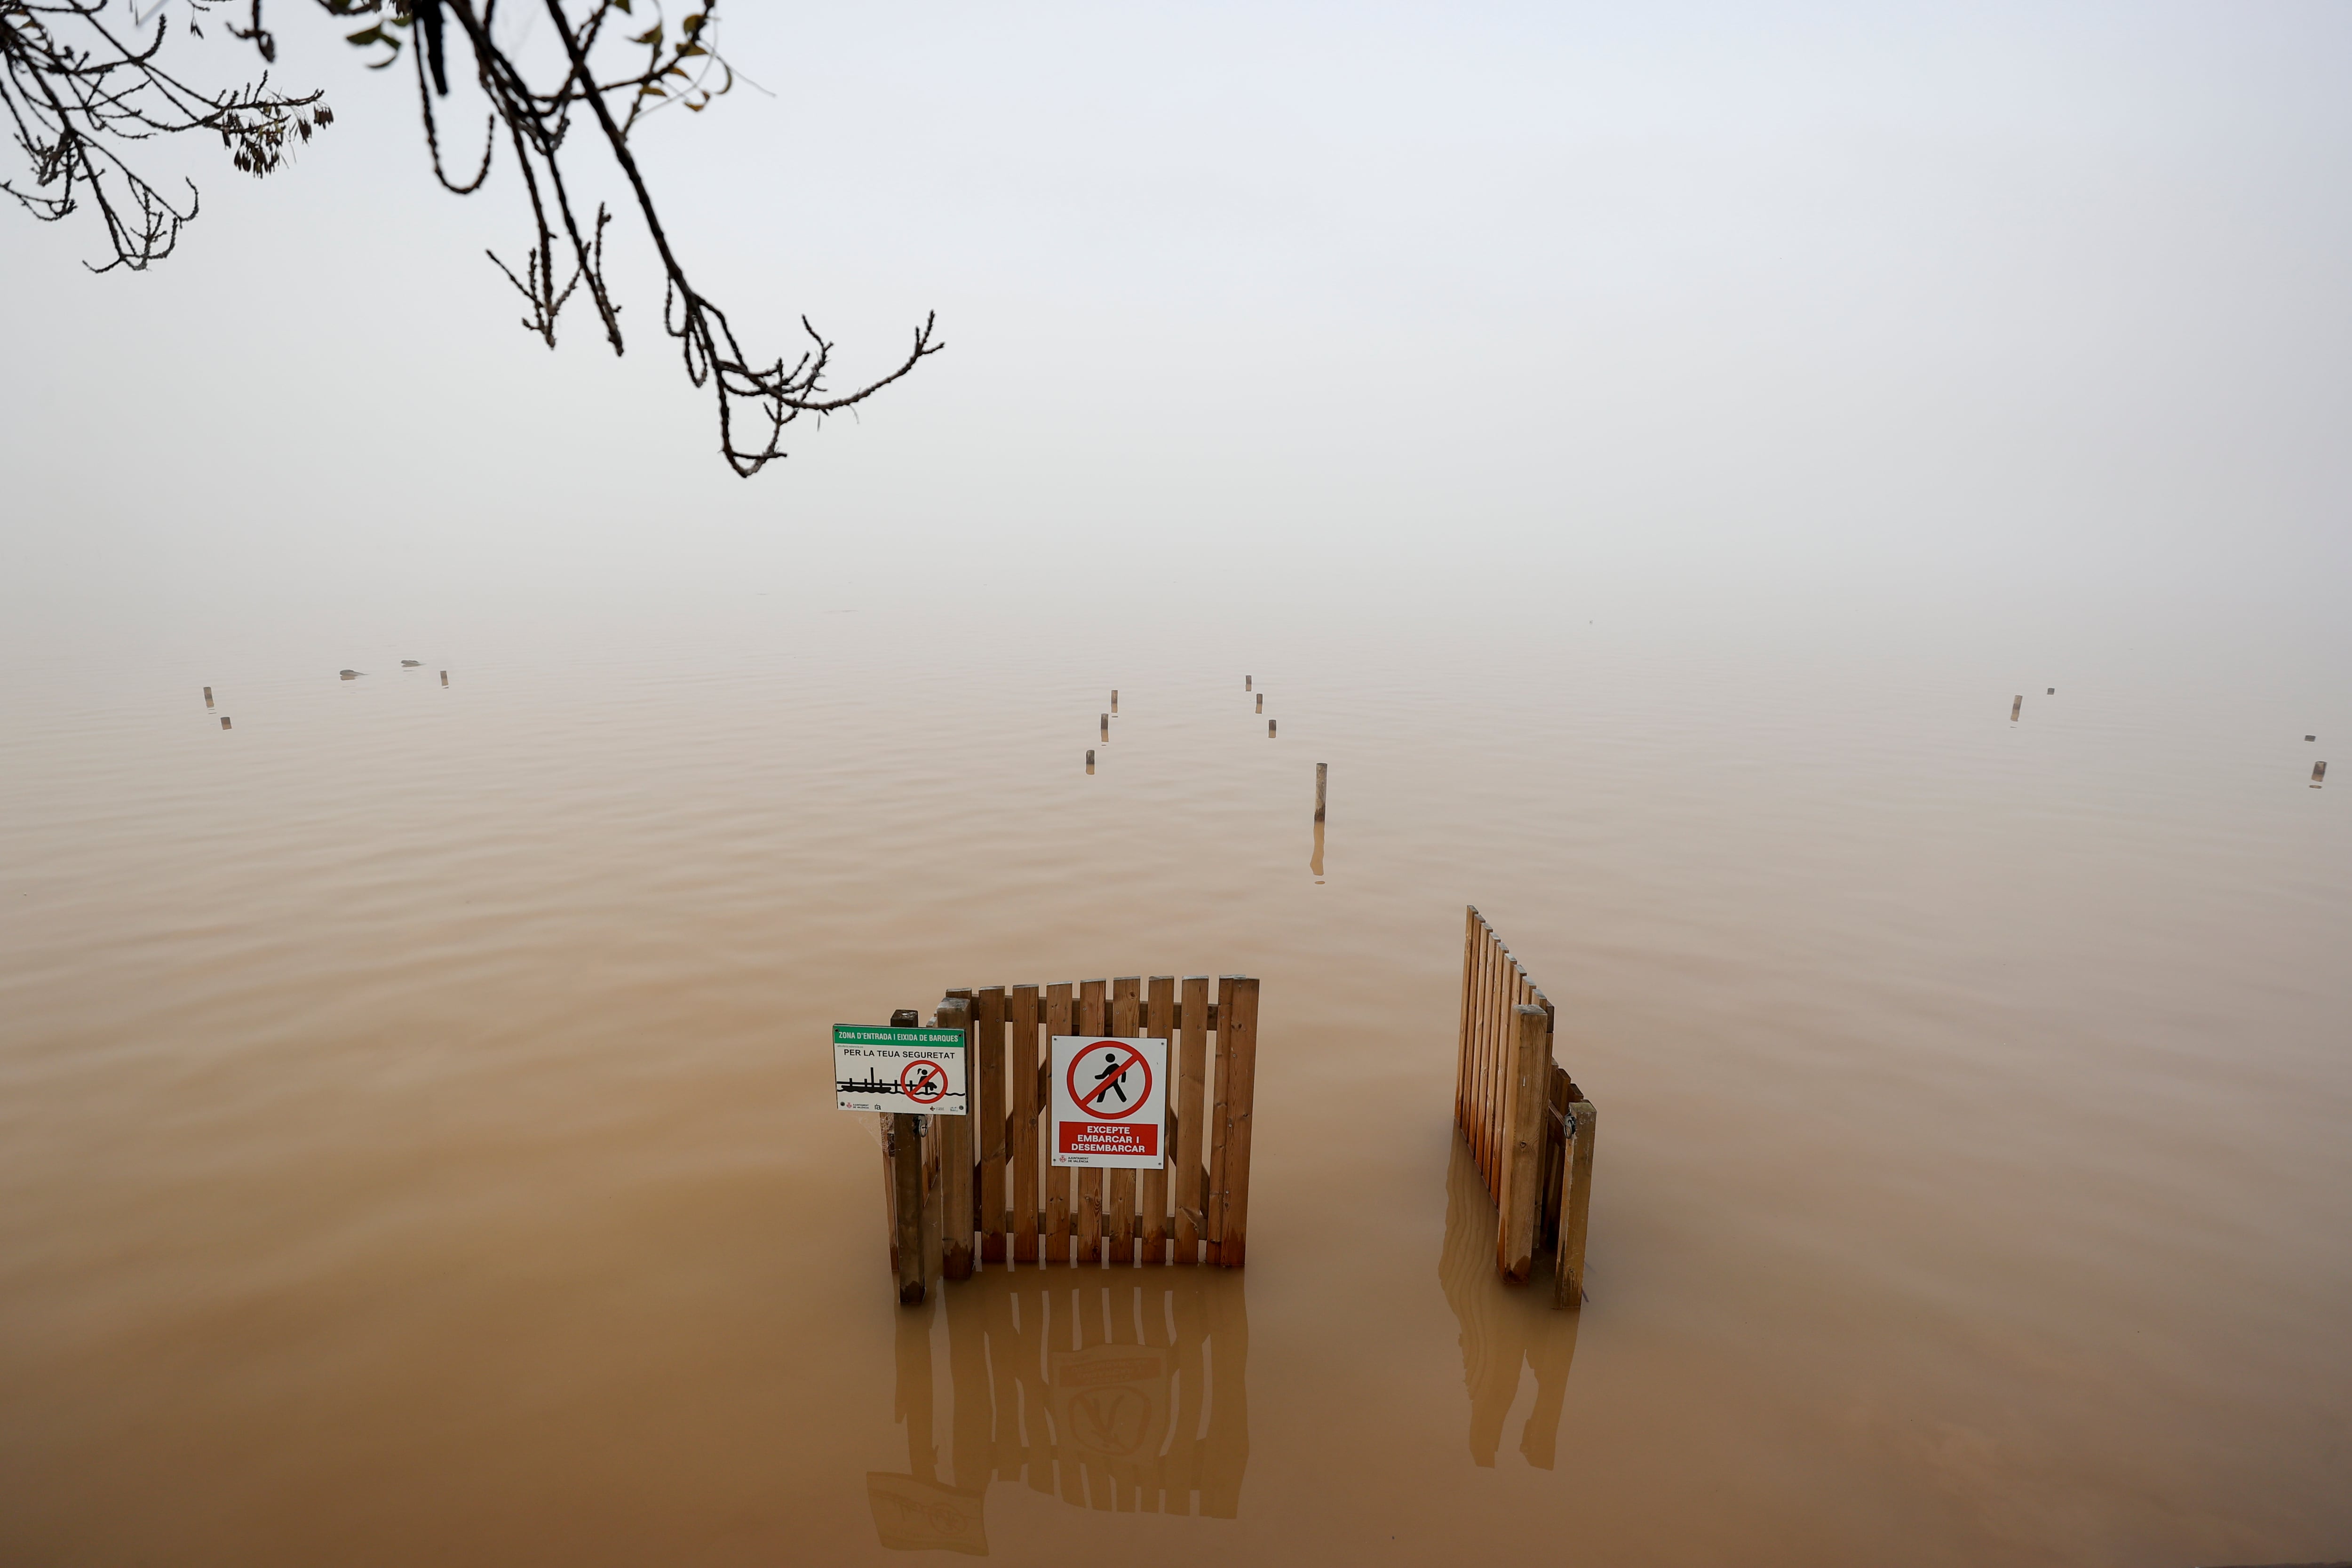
(1524, 1096)
(953, 1136)
(904, 1152)
(1575, 1205)
(902, 1149)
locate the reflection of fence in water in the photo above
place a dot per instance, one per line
(1503, 1330)
(1108, 1392)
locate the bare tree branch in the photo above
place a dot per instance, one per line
(75, 104)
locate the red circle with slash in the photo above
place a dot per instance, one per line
(932, 1077)
(1086, 1101)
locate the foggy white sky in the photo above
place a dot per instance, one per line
(1863, 304)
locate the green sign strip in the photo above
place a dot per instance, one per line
(877, 1034)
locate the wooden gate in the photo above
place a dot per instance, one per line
(1528, 1124)
(976, 1191)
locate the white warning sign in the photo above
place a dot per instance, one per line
(918, 1070)
(1111, 1100)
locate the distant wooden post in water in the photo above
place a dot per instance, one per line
(1269, 729)
(1528, 1127)
(1113, 701)
(1322, 777)
(2016, 707)
(208, 696)
(977, 1192)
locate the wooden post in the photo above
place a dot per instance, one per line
(905, 1152)
(208, 696)
(1576, 1207)
(954, 1134)
(2016, 706)
(1236, 1091)
(930, 1130)
(1105, 727)
(1057, 1177)
(1192, 1081)
(1022, 1060)
(1126, 1022)
(1161, 1013)
(1322, 777)
(1269, 729)
(1530, 1078)
(1113, 701)
(1261, 701)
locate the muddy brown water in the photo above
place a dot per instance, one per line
(415, 1141)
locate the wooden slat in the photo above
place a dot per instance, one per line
(1462, 1047)
(1152, 1192)
(1118, 1231)
(1021, 1053)
(934, 1130)
(1191, 1084)
(1238, 993)
(1059, 1009)
(1482, 1141)
(1523, 1167)
(1219, 1125)
(989, 1124)
(1576, 1208)
(1089, 1215)
(1490, 1067)
(954, 1134)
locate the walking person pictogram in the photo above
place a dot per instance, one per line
(1114, 1069)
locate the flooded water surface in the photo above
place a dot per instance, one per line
(416, 1139)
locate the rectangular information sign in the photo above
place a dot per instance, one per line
(918, 1070)
(1110, 1101)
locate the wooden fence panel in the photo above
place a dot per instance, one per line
(971, 1191)
(1528, 1125)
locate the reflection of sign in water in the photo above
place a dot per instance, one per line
(1110, 1400)
(1111, 1100)
(877, 1068)
(912, 1515)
